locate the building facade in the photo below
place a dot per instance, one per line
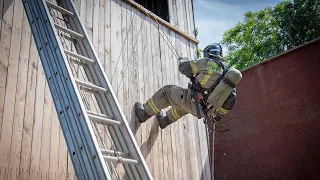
(138, 49)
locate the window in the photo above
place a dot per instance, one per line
(158, 7)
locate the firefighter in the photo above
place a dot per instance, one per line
(205, 72)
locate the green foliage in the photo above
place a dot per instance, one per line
(270, 31)
(299, 21)
(196, 31)
(199, 51)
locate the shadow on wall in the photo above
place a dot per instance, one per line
(4, 6)
(153, 135)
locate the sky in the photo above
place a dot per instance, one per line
(214, 17)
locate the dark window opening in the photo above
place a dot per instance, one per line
(158, 7)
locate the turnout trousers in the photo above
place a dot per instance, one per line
(180, 100)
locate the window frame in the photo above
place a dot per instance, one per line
(162, 21)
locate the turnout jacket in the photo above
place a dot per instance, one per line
(207, 72)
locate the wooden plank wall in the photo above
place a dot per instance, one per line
(138, 62)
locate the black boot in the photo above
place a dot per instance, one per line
(141, 113)
(164, 120)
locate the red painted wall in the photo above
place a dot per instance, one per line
(275, 123)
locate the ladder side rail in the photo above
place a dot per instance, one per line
(63, 85)
(104, 106)
(115, 132)
(90, 143)
(129, 138)
(52, 85)
(119, 143)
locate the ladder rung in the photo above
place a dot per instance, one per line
(90, 85)
(87, 60)
(102, 120)
(58, 8)
(66, 30)
(112, 152)
(121, 160)
(98, 114)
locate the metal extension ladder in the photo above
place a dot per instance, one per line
(86, 105)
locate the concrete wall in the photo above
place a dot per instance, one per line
(275, 123)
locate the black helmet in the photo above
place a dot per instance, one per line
(212, 50)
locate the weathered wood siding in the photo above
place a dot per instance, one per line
(137, 61)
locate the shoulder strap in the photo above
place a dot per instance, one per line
(225, 70)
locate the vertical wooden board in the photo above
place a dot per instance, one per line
(167, 149)
(174, 12)
(83, 11)
(193, 123)
(174, 127)
(138, 70)
(27, 133)
(189, 12)
(130, 17)
(101, 37)
(5, 37)
(89, 19)
(120, 68)
(198, 149)
(171, 19)
(95, 25)
(77, 4)
(180, 14)
(182, 142)
(160, 85)
(131, 56)
(114, 40)
(133, 67)
(20, 100)
(171, 80)
(98, 40)
(147, 145)
(107, 38)
(70, 171)
(185, 151)
(9, 99)
(193, 163)
(125, 28)
(154, 124)
(144, 94)
(116, 55)
(1, 10)
(46, 134)
(63, 156)
(191, 21)
(164, 132)
(159, 71)
(186, 18)
(54, 150)
(155, 128)
(37, 125)
(204, 151)
(160, 78)
(178, 124)
(189, 130)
